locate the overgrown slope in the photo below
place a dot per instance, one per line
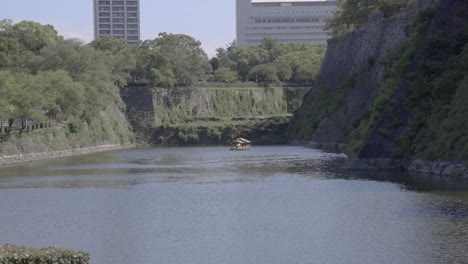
(395, 89)
(56, 94)
(211, 115)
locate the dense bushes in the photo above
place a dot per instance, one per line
(22, 255)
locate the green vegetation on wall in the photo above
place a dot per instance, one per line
(439, 89)
(395, 65)
(222, 131)
(428, 116)
(319, 103)
(19, 255)
(200, 114)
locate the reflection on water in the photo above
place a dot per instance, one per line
(199, 165)
(210, 205)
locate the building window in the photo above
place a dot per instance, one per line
(133, 32)
(119, 32)
(104, 26)
(104, 8)
(118, 20)
(118, 8)
(117, 2)
(104, 32)
(104, 14)
(118, 26)
(132, 15)
(118, 14)
(132, 20)
(104, 2)
(132, 3)
(104, 20)
(134, 9)
(132, 26)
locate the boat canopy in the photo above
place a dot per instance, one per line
(242, 141)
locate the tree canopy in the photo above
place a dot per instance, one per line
(354, 14)
(270, 62)
(44, 76)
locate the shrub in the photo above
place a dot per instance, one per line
(21, 255)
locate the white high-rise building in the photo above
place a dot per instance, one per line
(284, 20)
(117, 18)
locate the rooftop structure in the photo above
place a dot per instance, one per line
(284, 20)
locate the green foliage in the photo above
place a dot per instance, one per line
(271, 62)
(354, 14)
(438, 100)
(396, 65)
(225, 74)
(22, 255)
(438, 90)
(172, 60)
(123, 58)
(265, 73)
(44, 77)
(318, 104)
(262, 131)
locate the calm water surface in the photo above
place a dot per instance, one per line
(271, 205)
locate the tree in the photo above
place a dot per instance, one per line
(215, 64)
(354, 14)
(123, 57)
(265, 73)
(27, 102)
(283, 71)
(247, 58)
(61, 94)
(33, 36)
(186, 58)
(7, 87)
(225, 74)
(273, 49)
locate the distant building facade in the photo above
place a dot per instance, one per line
(117, 18)
(284, 20)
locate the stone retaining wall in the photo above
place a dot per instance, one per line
(442, 168)
(22, 158)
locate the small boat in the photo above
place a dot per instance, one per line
(241, 144)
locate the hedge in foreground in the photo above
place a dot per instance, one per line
(21, 255)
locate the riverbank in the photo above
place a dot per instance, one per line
(24, 158)
(453, 169)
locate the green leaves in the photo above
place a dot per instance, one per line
(224, 74)
(296, 62)
(354, 14)
(13, 254)
(43, 76)
(172, 60)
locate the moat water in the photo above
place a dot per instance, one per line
(209, 205)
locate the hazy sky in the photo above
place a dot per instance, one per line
(210, 21)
